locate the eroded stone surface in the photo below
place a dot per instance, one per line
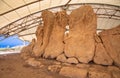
(83, 66)
(38, 43)
(111, 41)
(55, 46)
(80, 42)
(33, 62)
(101, 56)
(54, 68)
(72, 61)
(61, 58)
(97, 74)
(73, 72)
(97, 71)
(48, 18)
(93, 71)
(115, 71)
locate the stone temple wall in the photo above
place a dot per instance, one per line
(96, 55)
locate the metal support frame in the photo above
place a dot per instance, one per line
(10, 7)
(13, 9)
(14, 28)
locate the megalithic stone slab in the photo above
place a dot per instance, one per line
(48, 22)
(111, 41)
(55, 46)
(39, 41)
(80, 42)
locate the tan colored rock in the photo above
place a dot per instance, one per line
(33, 62)
(83, 66)
(73, 72)
(97, 74)
(101, 56)
(72, 60)
(48, 19)
(38, 43)
(97, 68)
(113, 68)
(61, 58)
(66, 64)
(111, 41)
(54, 68)
(97, 71)
(56, 45)
(57, 63)
(115, 71)
(26, 51)
(80, 42)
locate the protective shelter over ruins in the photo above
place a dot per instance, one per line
(67, 38)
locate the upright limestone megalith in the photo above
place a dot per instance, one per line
(55, 46)
(48, 21)
(80, 42)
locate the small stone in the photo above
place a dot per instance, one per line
(54, 68)
(57, 62)
(61, 58)
(33, 62)
(73, 72)
(72, 60)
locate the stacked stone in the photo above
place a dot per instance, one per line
(80, 45)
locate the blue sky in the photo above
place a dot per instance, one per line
(11, 41)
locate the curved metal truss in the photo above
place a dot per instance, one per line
(33, 20)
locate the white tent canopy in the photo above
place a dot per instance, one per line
(23, 16)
